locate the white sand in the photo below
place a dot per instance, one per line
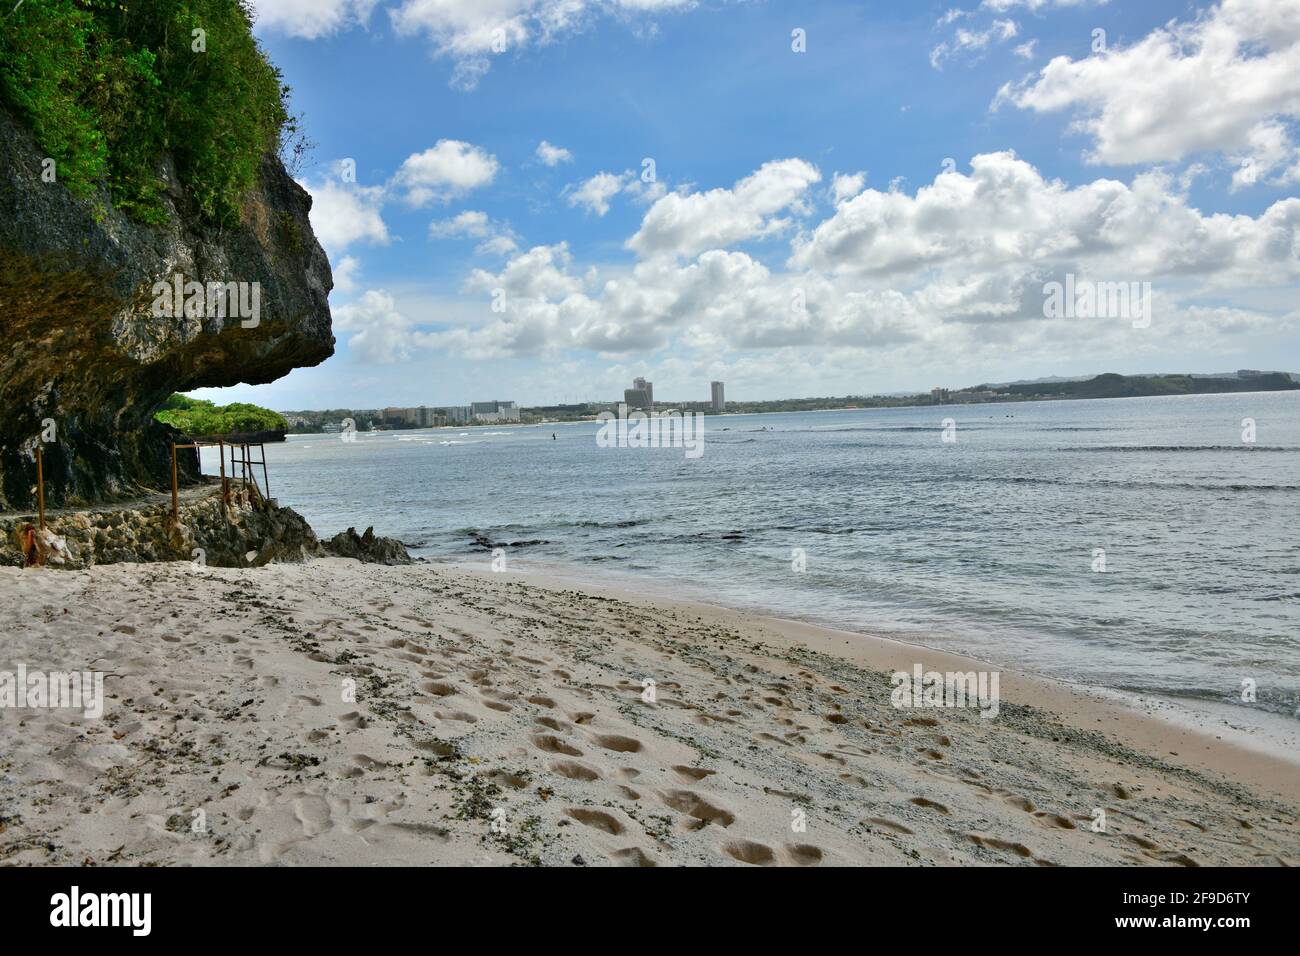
(480, 696)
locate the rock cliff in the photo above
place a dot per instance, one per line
(85, 355)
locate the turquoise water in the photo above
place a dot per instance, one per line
(985, 546)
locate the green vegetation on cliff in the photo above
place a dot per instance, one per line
(195, 416)
(110, 87)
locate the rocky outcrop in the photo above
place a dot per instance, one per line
(367, 548)
(82, 348)
(247, 532)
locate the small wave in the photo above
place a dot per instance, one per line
(1182, 448)
(1129, 484)
(900, 429)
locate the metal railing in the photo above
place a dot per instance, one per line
(244, 460)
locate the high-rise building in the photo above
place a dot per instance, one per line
(719, 402)
(636, 398)
(647, 387)
(495, 411)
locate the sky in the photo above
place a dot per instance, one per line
(539, 200)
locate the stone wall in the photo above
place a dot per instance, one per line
(246, 533)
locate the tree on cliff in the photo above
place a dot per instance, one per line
(109, 88)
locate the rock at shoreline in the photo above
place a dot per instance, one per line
(368, 548)
(248, 532)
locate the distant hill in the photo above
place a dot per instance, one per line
(1111, 385)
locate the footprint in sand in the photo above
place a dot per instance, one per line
(632, 856)
(574, 770)
(313, 814)
(693, 774)
(804, 854)
(694, 805)
(554, 745)
(747, 851)
(892, 825)
(929, 804)
(618, 743)
(597, 819)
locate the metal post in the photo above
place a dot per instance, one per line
(176, 513)
(40, 485)
(225, 488)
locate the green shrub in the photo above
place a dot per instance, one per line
(196, 416)
(109, 88)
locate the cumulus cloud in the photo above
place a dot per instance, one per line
(1226, 82)
(446, 170)
(846, 186)
(1005, 213)
(494, 237)
(471, 32)
(594, 194)
(683, 224)
(553, 155)
(956, 269)
(344, 212)
(345, 275)
(377, 332)
(311, 19)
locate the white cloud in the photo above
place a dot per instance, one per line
(955, 270)
(471, 32)
(973, 41)
(1027, 50)
(497, 238)
(448, 169)
(345, 275)
(1226, 82)
(846, 186)
(344, 212)
(682, 224)
(595, 193)
(311, 19)
(1033, 6)
(1005, 215)
(378, 332)
(553, 155)
(469, 223)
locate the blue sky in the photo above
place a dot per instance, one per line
(802, 234)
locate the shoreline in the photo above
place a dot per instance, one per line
(1195, 733)
(1187, 720)
(333, 712)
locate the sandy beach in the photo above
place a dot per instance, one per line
(339, 713)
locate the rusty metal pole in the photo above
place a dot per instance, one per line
(176, 511)
(40, 485)
(225, 489)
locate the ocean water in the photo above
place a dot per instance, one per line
(985, 546)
